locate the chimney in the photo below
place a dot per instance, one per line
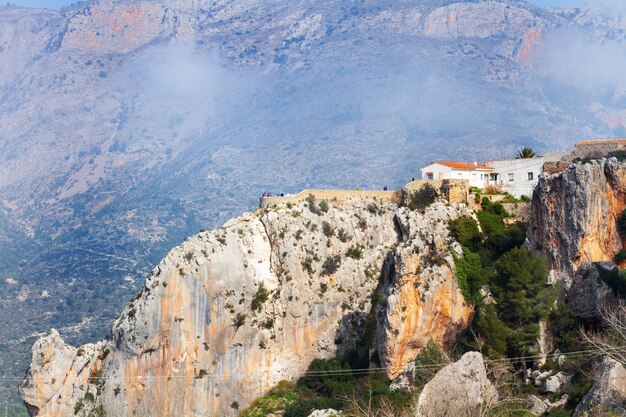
(475, 163)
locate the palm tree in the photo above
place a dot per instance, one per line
(525, 153)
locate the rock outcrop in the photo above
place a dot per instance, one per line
(540, 407)
(231, 312)
(421, 298)
(607, 395)
(459, 389)
(573, 224)
(588, 294)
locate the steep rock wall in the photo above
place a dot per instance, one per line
(195, 342)
(574, 216)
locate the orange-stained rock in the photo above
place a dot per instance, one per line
(574, 216)
(422, 301)
(190, 343)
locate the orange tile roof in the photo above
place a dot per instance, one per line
(461, 165)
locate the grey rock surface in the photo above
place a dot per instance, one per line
(461, 388)
(573, 224)
(257, 300)
(588, 294)
(607, 394)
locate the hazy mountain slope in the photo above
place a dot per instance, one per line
(125, 126)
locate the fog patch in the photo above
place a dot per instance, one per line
(574, 58)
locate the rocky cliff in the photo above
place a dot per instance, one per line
(575, 216)
(231, 312)
(109, 106)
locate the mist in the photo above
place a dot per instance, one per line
(574, 58)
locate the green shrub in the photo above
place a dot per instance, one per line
(343, 236)
(304, 407)
(615, 279)
(422, 198)
(428, 362)
(78, 406)
(469, 272)
(331, 265)
(565, 327)
(620, 256)
(312, 204)
(492, 330)
(374, 209)
(323, 206)
(490, 222)
(239, 320)
(261, 296)
(522, 297)
(465, 230)
(327, 229)
(329, 377)
(355, 252)
(505, 239)
(307, 264)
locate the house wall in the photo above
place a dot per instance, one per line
(520, 168)
(439, 171)
(442, 172)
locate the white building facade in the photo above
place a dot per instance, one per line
(477, 174)
(517, 176)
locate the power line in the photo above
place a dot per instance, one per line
(337, 372)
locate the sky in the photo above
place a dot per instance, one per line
(56, 4)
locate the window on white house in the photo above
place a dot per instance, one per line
(429, 175)
(511, 176)
(530, 176)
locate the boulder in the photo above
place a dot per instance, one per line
(607, 394)
(536, 405)
(459, 389)
(326, 413)
(540, 407)
(556, 383)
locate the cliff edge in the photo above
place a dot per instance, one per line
(231, 312)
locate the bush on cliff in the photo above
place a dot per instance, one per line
(469, 275)
(465, 230)
(422, 198)
(523, 297)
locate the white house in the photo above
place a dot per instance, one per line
(516, 176)
(477, 174)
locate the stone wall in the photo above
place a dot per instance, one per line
(452, 190)
(519, 211)
(597, 148)
(585, 149)
(392, 196)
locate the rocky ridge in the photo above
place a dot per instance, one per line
(231, 312)
(575, 216)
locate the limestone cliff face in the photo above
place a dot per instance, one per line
(229, 313)
(421, 298)
(574, 216)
